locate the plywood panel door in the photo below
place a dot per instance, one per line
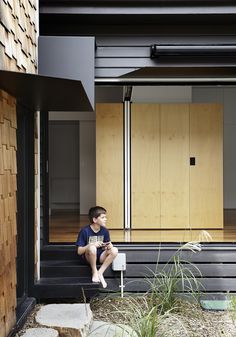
(206, 177)
(109, 162)
(145, 166)
(174, 165)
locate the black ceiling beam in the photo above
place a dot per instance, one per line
(75, 17)
(144, 2)
(141, 12)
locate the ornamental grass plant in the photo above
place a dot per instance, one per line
(146, 313)
(175, 279)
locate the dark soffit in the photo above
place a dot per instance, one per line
(185, 75)
(39, 92)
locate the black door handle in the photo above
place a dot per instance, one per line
(192, 161)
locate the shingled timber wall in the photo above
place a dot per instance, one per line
(18, 35)
(8, 171)
(18, 52)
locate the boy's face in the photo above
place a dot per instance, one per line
(100, 220)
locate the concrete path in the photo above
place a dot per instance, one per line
(75, 320)
(41, 332)
(71, 320)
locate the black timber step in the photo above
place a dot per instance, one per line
(56, 252)
(66, 287)
(68, 268)
(141, 285)
(217, 264)
(151, 254)
(71, 268)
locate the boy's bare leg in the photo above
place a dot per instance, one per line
(106, 259)
(91, 257)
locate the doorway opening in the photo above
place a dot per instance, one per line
(66, 220)
(71, 172)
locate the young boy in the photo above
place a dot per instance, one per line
(94, 244)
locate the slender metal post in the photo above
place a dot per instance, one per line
(127, 163)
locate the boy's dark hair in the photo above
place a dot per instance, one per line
(95, 212)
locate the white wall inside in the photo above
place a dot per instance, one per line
(87, 165)
(162, 94)
(86, 152)
(71, 115)
(64, 180)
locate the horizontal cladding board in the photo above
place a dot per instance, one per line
(211, 284)
(119, 62)
(130, 51)
(138, 62)
(64, 291)
(138, 255)
(209, 270)
(127, 51)
(213, 256)
(145, 41)
(72, 269)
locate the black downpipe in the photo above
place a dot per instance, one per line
(44, 176)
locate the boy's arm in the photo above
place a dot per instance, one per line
(108, 244)
(81, 242)
(82, 249)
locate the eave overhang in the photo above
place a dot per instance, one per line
(38, 92)
(175, 76)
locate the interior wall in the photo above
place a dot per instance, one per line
(226, 96)
(64, 165)
(87, 165)
(110, 162)
(87, 154)
(223, 95)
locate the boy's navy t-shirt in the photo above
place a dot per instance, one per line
(87, 235)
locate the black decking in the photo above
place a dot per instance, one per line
(64, 276)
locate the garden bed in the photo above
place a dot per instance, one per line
(187, 320)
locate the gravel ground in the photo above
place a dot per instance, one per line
(190, 320)
(30, 322)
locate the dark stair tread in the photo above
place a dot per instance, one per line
(67, 281)
(63, 263)
(65, 287)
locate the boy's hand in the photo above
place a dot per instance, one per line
(107, 245)
(97, 244)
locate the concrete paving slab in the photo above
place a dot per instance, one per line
(216, 305)
(41, 332)
(68, 319)
(105, 329)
